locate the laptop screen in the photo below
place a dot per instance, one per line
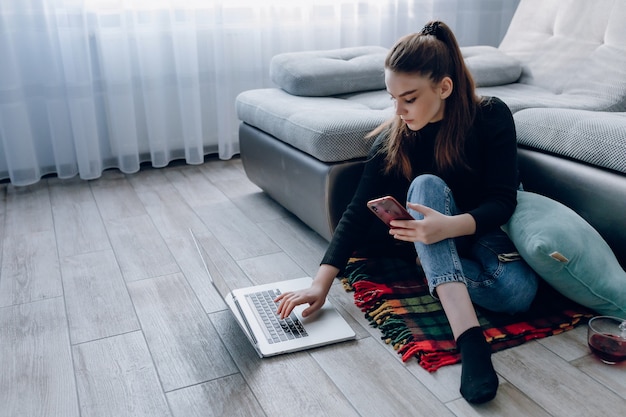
(217, 280)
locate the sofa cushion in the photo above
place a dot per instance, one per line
(331, 129)
(568, 253)
(520, 96)
(490, 66)
(355, 69)
(329, 72)
(597, 138)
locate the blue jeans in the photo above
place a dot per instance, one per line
(495, 279)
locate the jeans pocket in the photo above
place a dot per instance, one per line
(498, 244)
(493, 251)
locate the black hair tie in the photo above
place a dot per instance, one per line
(431, 28)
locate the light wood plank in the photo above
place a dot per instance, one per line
(28, 209)
(185, 346)
(230, 177)
(302, 244)
(570, 345)
(221, 264)
(115, 377)
(98, 304)
(220, 172)
(153, 181)
(140, 249)
(561, 389)
(271, 268)
(172, 218)
(30, 268)
(194, 187)
(77, 220)
(611, 376)
(37, 378)
(228, 396)
(115, 197)
(187, 256)
(171, 215)
(259, 207)
(444, 383)
(295, 376)
(239, 235)
(376, 388)
(237, 187)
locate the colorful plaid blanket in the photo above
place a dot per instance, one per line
(394, 296)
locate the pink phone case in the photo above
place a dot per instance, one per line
(388, 209)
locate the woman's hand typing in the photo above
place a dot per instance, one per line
(315, 295)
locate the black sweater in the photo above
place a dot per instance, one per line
(487, 191)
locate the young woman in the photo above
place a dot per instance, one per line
(452, 156)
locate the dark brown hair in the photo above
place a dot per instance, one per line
(433, 53)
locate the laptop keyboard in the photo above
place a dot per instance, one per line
(277, 330)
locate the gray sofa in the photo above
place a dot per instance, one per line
(561, 68)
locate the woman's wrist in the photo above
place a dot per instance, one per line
(325, 276)
(462, 225)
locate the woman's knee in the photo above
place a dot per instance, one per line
(424, 182)
(433, 192)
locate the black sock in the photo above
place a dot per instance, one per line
(479, 381)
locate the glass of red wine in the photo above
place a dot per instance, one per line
(606, 337)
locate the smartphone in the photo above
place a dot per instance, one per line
(388, 209)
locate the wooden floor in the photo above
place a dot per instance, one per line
(105, 310)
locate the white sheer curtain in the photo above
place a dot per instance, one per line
(87, 85)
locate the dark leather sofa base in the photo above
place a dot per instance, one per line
(316, 192)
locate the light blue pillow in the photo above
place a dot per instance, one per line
(568, 253)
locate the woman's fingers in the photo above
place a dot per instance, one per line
(430, 229)
(313, 307)
(425, 210)
(283, 309)
(290, 300)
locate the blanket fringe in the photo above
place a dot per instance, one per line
(428, 356)
(367, 293)
(395, 332)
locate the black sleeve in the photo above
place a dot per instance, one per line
(356, 220)
(499, 174)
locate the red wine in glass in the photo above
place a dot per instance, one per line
(609, 348)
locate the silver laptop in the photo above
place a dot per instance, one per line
(255, 311)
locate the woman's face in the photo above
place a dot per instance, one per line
(418, 100)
